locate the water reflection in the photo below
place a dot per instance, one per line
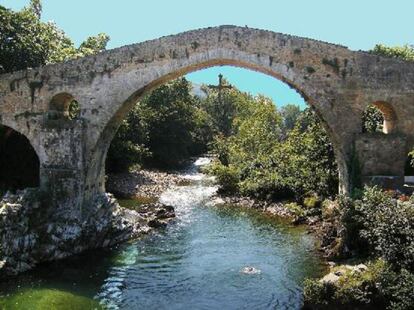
(195, 263)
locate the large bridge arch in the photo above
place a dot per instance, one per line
(294, 80)
(337, 82)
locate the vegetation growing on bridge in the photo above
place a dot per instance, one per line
(405, 52)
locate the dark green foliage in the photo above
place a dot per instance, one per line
(397, 288)
(378, 224)
(310, 70)
(73, 109)
(307, 158)
(164, 129)
(26, 41)
(355, 173)
(372, 119)
(388, 227)
(353, 290)
(273, 160)
(223, 107)
(290, 113)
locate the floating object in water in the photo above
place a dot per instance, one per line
(250, 270)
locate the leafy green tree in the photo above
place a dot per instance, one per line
(26, 41)
(222, 107)
(130, 144)
(405, 52)
(261, 163)
(290, 114)
(309, 159)
(256, 136)
(164, 129)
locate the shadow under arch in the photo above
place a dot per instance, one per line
(96, 170)
(19, 161)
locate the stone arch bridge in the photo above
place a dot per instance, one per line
(336, 82)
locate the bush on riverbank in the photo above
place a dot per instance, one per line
(377, 287)
(379, 225)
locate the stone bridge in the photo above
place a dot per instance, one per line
(336, 82)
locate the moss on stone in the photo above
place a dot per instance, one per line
(40, 299)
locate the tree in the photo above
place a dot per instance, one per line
(290, 114)
(221, 107)
(309, 159)
(36, 7)
(26, 41)
(164, 129)
(262, 162)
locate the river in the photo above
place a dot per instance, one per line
(209, 257)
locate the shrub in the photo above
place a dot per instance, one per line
(387, 226)
(317, 293)
(275, 162)
(353, 289)
(397, 287)
(227, 176)
(311, 202)
(351, 220)
(377, 287)
(164, 129)
(330, 209)
(295, 209)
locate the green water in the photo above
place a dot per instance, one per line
(197, 262)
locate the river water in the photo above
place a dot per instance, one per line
(210, 257)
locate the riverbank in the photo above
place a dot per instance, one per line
(31, 232)
(195, 257)
(30, 235)
(147, 185)
(359, 276)
(143, 183)
(317, 219)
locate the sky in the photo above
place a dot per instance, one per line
(358, 24)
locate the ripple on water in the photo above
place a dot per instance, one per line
(194, 263)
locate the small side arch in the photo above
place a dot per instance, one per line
(379, 116)
(19, 162)
(63, 106)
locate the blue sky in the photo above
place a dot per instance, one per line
(358, 24)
